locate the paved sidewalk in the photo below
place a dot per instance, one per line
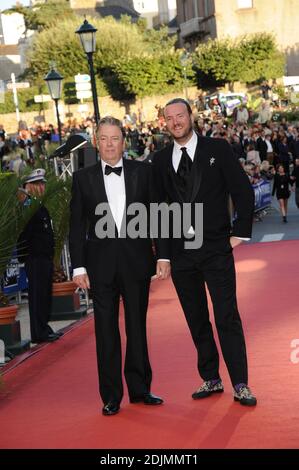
(272, 229)
(23, 316)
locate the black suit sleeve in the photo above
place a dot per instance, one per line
(78, 224)
(159, 195)
(241, 192)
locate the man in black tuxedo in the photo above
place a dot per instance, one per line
(114, 265)
(197, 169)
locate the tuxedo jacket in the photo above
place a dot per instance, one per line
(216, 174)
(105, 257)
(37, 238)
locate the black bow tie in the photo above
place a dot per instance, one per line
(110, 169)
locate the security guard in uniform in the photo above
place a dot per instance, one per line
(36, 249)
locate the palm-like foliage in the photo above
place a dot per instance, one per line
(12, 220)
(58, 206)
(8, 228)
(14, 217)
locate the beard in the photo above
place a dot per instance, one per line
(180, 133)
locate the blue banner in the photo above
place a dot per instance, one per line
(262, 195)
(14, 279)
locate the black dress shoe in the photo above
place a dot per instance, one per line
(48, 339)
(147, 399)
(52, 332)
(111, 408)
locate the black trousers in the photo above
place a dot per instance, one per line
(213, 265)
(39, 272)
(137, 370)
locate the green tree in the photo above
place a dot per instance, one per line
(157, 40)
(61, 44)
(43, 15)
(263, 59)
(129, 60)
(29, 16)
(247, 59)
(25, 99)
(152, 74)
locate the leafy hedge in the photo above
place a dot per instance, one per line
(246, 59)
(25, 99)
(26, 96)
(131, 61)
(148, 75)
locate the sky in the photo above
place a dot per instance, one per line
(9, 3)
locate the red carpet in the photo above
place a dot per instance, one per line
(51, 400)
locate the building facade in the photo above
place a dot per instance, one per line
(103, 8)
(199, 20)
(156, 12)
(12, 28)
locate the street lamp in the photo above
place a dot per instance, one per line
(87, 34)
(184, 60)
(54, 82)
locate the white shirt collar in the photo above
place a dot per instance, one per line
(191, 149)
(190, 145)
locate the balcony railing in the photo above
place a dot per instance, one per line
(191, 27)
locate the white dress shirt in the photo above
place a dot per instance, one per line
(177, 152)
(116, 194)
(269, 146)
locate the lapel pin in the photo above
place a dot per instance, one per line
(212, 161)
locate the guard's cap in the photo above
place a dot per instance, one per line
(35, 175)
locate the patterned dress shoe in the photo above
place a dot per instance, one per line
(147, 399)
(208, 388)
(111, 408)
(243, 395)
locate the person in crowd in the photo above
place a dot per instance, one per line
(284, 154)
(2, 132)
(242, 114)
(253, 155)
(197, 169)
(270, 150)
(281, 187)
(266, 171)
(36, 250)
(2, 150)
(265, 113)
(261, 145)
(266, 90)
(114, 265)
(17, 164)
(295, 179)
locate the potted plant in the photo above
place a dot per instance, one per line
(12, 221)
(8, 237)
(65, 301)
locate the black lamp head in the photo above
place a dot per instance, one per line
(73, 143)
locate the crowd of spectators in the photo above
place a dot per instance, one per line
(259, 146)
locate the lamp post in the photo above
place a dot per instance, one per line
(87, 35)
(184, 60)
(54, 81)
